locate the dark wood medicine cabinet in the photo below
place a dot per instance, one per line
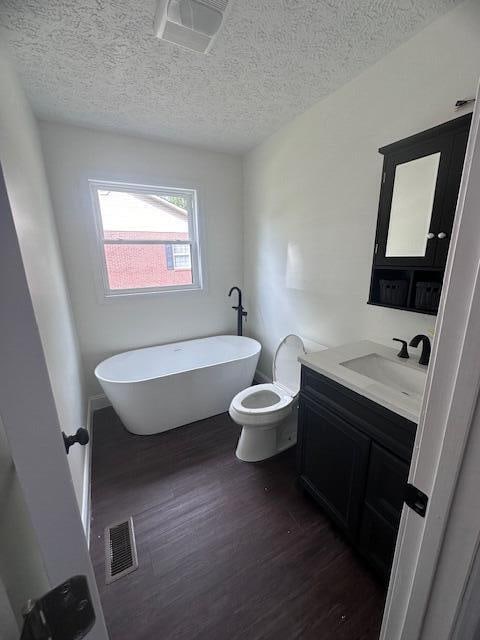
(418, 196)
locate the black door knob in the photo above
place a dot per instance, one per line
(81, 437)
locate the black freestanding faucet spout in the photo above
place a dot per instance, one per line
(239, 309)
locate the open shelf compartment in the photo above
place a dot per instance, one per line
(415, 289)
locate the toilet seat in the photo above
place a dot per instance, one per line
(264, 404)
(286, 367)
(260, 395)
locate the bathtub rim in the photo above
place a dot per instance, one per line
(183, 371)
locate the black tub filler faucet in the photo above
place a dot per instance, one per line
(241, 313)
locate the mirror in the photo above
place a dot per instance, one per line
(418, 194)
(412, 205)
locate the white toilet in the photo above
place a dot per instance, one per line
(268, 412)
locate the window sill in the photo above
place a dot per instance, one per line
(126, 294)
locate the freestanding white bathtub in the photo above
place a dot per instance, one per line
(160, 388)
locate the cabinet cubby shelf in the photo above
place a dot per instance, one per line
(411, 276)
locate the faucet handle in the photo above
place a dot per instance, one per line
(403, 353)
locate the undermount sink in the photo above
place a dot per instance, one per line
(375, 372)
(408, 380)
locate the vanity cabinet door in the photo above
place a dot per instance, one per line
(377, 541)
(333, 459)
(387, 477)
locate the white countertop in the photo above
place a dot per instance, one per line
(329, 363)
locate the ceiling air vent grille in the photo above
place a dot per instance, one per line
(120, 550)
(193, 24)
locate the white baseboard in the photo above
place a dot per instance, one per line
(87, 477)
(100, 401)
(95, 402)
(261, 378)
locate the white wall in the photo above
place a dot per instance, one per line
(22, 164)
(22, 574)
(73, 155)
(311, 191)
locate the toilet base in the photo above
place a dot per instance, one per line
(258, 443)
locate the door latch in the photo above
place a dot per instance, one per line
(416, 500)
(64, 613)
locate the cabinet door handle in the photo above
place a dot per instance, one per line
(430, 236)
(442, 235)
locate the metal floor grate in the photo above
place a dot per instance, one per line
(120, 550)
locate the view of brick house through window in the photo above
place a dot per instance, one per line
(142, 238)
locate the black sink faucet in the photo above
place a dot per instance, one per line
(426, 347)
(239, 309)
(403, 353)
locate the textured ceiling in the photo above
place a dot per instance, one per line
(97, 62)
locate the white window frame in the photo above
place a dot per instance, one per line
(181, 254)
(193, 241)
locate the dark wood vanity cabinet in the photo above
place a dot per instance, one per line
(353, 457)
(334, 462)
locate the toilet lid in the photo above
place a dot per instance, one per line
(286, 367)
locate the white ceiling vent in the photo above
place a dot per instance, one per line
(192, 24)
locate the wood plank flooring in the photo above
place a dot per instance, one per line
(227, 550)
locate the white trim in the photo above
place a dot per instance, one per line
(457, 476)
(99, 401)
(127, 294)
(87, 479)
(197, 254)
(149, 291)
(31, 423)
(94, 403)
(450, 398)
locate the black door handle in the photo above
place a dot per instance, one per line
(81, 437)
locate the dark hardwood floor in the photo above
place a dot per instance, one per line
(227, 550)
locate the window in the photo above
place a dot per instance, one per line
(181, 256)
(148, 238)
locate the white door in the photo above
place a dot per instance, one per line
(30, 421)
(450, 399)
